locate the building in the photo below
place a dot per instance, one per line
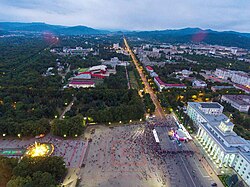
(116, 46)
(241, 78)
(239, 102)
(223, 73)
(199, 84)
(223, 146)
(237, 77)
(115, 62)
(217, 88)
(243, 88)
(82, 84)
(186, 73)
(149, 69)
(162, 85)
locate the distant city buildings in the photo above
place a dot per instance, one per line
(239, 102)
(223, 146)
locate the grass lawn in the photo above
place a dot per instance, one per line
(133, 81)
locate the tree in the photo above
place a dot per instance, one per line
(42, 179)
(20, 181)
(6, 167)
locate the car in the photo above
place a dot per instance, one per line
(213, 184)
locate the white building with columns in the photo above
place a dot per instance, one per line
(217, 137)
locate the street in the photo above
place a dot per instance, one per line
(189, 170)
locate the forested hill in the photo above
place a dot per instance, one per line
(37, 27)
(226, 38)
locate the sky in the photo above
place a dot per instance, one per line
(132, 14)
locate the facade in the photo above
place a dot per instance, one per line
(223, 146)
(239, 102)
(237, 77)
(223, 73)
(241, 78)
(216, 88)
(82, 84)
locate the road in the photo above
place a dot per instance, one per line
(159, 113)
(67, 108)
(189, 171)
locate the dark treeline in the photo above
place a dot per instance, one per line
(38, 171)
(108, 105)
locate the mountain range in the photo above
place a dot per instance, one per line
(227, 38)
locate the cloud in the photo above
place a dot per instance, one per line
(132, 14)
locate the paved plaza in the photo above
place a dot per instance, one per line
(71, 150)
(129, 156)
(117, 157)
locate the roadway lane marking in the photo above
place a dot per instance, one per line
(187, 171)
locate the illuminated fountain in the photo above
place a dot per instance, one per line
(40, 149)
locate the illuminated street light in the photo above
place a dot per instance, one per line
(130, 120)
(120, 121)
(66, 103)
(63, 117)
(64, 135)
(76, 135)
(140, 119)
(55, 116)
(4, 135)
(19, 135)
(109, 123)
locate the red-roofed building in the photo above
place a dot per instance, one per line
(149, 69)
(162, 85)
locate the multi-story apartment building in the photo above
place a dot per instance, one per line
(239, 102)
(237, 77)
(216, 135)
(241, 78)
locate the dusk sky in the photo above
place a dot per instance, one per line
(132, 14)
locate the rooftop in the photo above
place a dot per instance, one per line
(210, 105)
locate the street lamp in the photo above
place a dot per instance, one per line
(120, 121)
(109, 123)
(4, 135)
(140, 119)
(76, 135)
(63, 117)
(19, 135)
(55, 116)
(64, 135)
(130, 120)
